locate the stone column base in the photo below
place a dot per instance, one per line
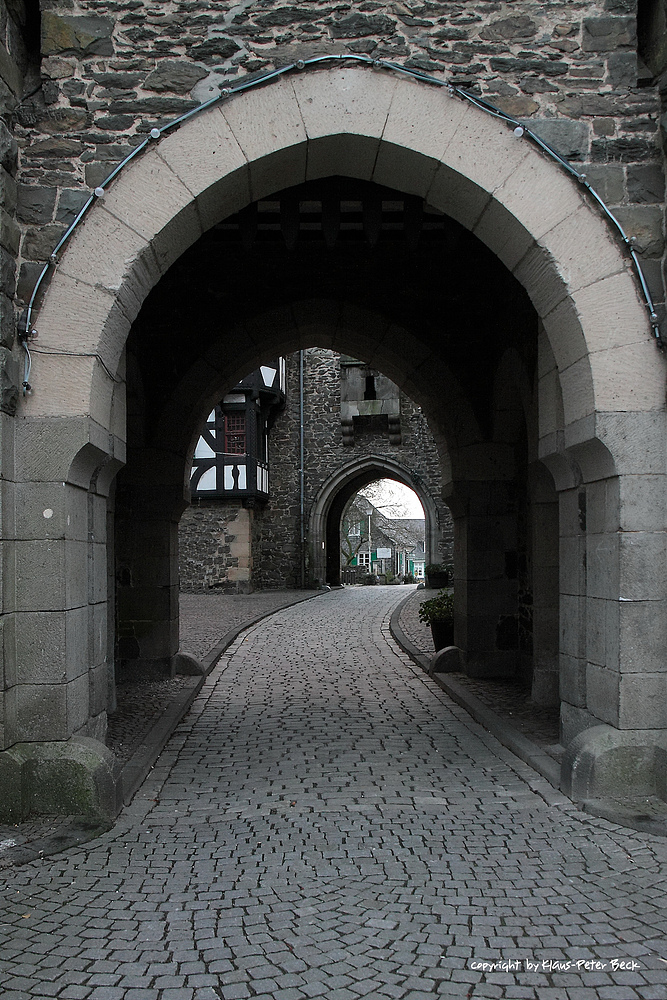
(603, 762)
(75, 777)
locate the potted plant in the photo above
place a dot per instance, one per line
(439, 575)
(439, 614)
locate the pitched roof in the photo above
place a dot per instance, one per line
(404, 532)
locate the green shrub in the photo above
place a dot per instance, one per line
(438, 609)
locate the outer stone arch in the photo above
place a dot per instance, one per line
(416, 139)
(324, 527)
(377, 127)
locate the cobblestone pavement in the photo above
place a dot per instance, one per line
(203, 621)
(326, 823)
(205, 618)
(508, 698)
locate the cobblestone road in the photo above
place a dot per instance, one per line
(325, 823)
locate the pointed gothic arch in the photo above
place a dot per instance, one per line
(600, 379)
(356, 123)
(333, 497)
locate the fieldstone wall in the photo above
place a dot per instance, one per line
(18, 75)
(206, 527)
(112, 69)
(215, 551)
(277, 539)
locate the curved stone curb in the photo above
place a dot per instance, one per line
(506, 734)
(421, 659)
(627, 814)
(137, 767)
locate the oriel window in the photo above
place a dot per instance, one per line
(235, 434)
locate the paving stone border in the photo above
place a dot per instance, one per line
(646, 815)
(147, 734)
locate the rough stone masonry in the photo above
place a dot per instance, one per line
(110, 71)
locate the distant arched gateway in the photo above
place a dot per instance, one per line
(325, 518)
(543, 275)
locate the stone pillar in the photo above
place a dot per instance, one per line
(55, 575)
(625, 630)
(573, 610)
(641, 502)
(613, 603)
(613, 628)
(146, 530)
(613, 637)
(486, 576)
(111, 600)
(544, 548)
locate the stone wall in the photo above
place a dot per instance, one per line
(17, 74)
(276, 529)
(324, 453)
(278, 540)
(214, 549)
(112, 69)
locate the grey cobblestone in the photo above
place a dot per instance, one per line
(326, 823)
(507, 698)
(204, 620)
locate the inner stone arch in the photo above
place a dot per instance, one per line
(321, 387)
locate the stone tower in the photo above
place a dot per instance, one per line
(232, 545)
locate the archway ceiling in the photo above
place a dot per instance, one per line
(427, 275)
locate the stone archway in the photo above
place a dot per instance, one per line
(362, 124)
(601, 435)
(325, 518)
